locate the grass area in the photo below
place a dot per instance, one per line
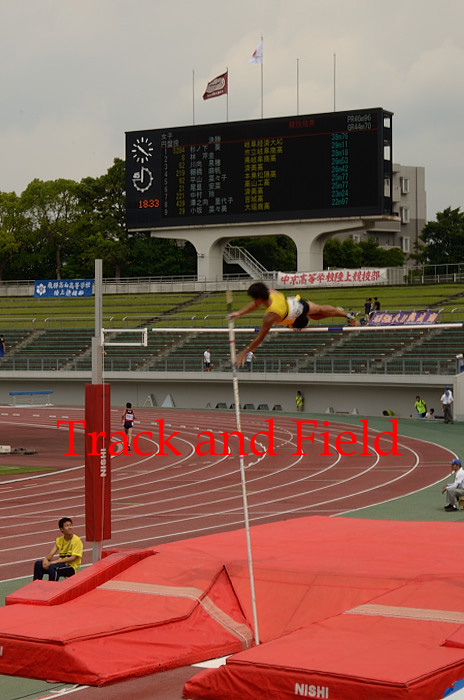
(213, 308)
(131, 309)
(17, 469)
(119, 311)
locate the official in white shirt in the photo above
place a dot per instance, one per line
(447, 405)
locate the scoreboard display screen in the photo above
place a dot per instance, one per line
(336, 164)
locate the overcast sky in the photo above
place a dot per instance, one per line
(77, 74)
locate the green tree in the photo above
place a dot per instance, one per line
(342, 254)
(9, 227)
(101, 227)
(375, 256)
(50, 210)
(442, 241)
(160, 257)
(348, 254)
(273, 252)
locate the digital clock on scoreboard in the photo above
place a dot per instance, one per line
(315, 166)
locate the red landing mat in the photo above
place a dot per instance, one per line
(347, 609)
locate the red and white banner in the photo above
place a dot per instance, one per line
(218, 86)
(333, 278)
(257, 55)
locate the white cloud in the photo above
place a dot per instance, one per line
(77, 74)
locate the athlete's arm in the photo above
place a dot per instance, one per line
(269, 320)
(252, 306)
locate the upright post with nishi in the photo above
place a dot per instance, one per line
(97, 463)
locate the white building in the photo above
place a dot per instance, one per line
(409, 203)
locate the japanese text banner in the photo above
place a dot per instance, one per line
(333, 278)
(63, 288)
(401, 318)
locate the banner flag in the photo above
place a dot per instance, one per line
(403, 318)
(333, 278)
(218, 86)
(63, 288)
(257, 55)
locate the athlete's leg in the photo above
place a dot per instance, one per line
(318, 311)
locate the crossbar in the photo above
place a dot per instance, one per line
(143, 331)
(322, 329)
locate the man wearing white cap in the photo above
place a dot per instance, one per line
(447, 405)
(456, 489)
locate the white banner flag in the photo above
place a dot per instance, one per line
(333, 278)
(257, 55)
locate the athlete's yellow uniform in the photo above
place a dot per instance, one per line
(292, 311)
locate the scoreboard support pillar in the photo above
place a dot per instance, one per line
(309, 237)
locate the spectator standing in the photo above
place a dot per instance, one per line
(420, 407)
(447, 401)
(456, 489)
(376, 304)
(207, 360)
(249, 360)
(367, 309)
(2, 346)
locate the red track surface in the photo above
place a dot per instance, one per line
(162, 498)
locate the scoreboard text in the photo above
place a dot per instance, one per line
(325, 165)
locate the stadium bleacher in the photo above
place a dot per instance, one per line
(55, 334)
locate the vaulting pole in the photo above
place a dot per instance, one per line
(233, 356)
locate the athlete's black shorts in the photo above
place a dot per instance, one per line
(302, 320)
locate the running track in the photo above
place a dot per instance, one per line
(159, 498)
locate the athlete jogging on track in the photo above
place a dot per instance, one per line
(128, 418)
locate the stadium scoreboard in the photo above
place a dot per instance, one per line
(336, 164)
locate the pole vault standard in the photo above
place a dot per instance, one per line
(233, 355)
(97, 420)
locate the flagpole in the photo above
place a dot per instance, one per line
(193, 96)
(334, 77)
(227, 95)
(298, 86)
(262, 79)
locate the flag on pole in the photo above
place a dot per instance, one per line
(218, 86)
(257, 55)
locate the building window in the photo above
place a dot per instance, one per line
(404, 185)
(356, 237)
(405, 244)
(404, 213)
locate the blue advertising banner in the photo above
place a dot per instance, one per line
(403, 318)
(63, 288)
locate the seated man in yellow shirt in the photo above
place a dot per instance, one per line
(69, 548)
(292, 311)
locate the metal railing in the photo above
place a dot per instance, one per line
(417, 275)
(279, 365)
